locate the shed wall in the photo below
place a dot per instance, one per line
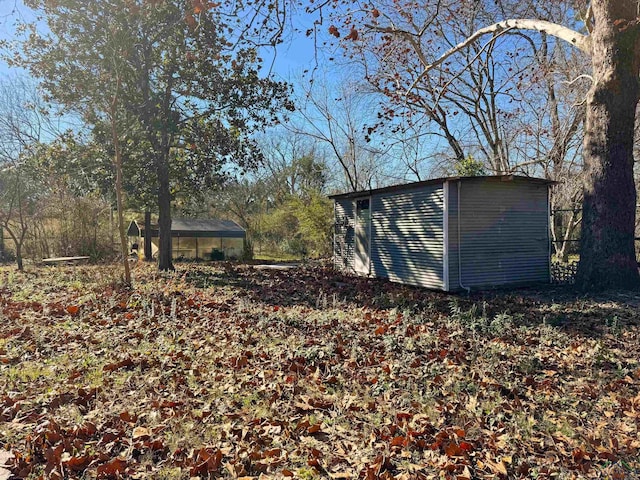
(343, 240)
(407, 236)
(452, 212)
(504, 233)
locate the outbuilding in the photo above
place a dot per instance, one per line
(453, 233)
(197, 238)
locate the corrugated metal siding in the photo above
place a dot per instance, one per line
(343, 243)
(452, 206)
(504, 233)
(407, 236)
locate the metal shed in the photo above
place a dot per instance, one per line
(449, 233)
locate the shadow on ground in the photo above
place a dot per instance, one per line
(323, 287)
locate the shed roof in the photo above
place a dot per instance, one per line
(213, 226)
(192, 227)
(408, 186)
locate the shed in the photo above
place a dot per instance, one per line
(197, 238)
(449, 233)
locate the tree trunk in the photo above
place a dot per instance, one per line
(124, 250)
(111, 225)
(607, 255)
(19, 256)
(164, 216)
(148, 252)
(18, 240)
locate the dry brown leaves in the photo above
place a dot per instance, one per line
(239, 372)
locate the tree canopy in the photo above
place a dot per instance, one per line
(177, 83)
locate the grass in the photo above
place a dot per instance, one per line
(231, 371)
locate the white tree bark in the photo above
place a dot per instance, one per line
(576, 39)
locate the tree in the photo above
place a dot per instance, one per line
(300, 178)
(337, 119)
(75, 182)
(469, 167)
(3, 252)
(282, 204)
(179, 75)
(243, 200)
(607, 256)
(17, 206)
(607, 251)
(315, 222)
(23, 123)
(471, 104)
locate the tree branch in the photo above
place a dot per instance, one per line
(578, 40)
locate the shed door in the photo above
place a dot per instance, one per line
(362, 233)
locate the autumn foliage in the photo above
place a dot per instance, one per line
(244, 372)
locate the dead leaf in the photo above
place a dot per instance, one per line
(78, 463)
(141, 432)
(127, 417)
(353, 35)
(112, 469)
(498, 467)
(111, 367)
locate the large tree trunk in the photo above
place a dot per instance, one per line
(164, 216)
(148, 252)
(607, 255)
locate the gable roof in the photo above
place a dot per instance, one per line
(435, 181)
(193, 227)
(212, 226)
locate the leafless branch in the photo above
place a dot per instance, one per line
(579, 77)
(582, 42)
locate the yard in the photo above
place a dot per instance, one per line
(234, 371)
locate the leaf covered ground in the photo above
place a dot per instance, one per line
(234, 371)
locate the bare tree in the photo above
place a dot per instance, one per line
(338, 120)
(293, 163)
(25, 119)
(472, 101)
(23, 124)
(16, 208)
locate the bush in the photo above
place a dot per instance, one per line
(7, 256)
(217, 255)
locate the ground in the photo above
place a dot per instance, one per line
(235, 371)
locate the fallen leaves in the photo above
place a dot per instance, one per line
(240, 372)
(206, 462)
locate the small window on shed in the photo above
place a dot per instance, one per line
(362, 204)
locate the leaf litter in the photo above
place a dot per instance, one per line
(228, 371)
